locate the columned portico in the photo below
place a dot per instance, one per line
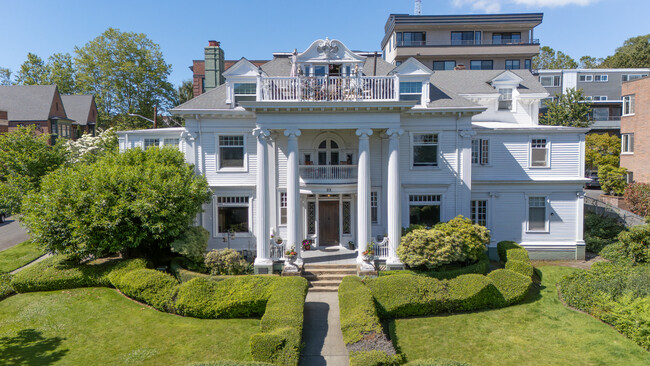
(293, 192)
(363, 192)
(394, 203)
(263, 262)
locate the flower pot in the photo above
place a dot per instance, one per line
(291, 259)
(367, 257)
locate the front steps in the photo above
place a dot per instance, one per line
(327, 277)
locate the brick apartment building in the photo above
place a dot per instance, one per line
(635, 129)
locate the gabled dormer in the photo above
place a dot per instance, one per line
(328, 57)
(241, 82)
(506, 84)
(414, 81)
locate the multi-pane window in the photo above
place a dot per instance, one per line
(410, 90)
(283, 208)
(347, 217)
(506, 38)
(311, 218)
(424, 209)
(480, 151)
(171, 142)
(549, 80)
(425, 149)
(151, 143)
(513, 64)
(481, 65)
(411, 39)
(627, 143)
(630, 77)
(586, 78)
(539, 152)
(599, 98)
(479, 212)
(374, 207)
(245, 92)
(601, 78)
(465, 38)
(628, 105)
(505, 99)
(232, 214)
(231, 151)
(537, 213)
(444, 65)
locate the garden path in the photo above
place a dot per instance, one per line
(322, 331)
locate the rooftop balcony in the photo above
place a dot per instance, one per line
(465, 43)
(329, 88)
(328, 174)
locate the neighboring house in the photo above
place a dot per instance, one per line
(335, 155)
(83, 110)
(601, 87)
(635, 130)
(477, 42)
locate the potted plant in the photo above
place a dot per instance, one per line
(291, 255)
(306, 244)
(278, 240)
(351, 245)
(368, 254)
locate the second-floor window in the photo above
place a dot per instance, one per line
(444, 65)
(630, 77)
(425, 149)
(506, 38)
(539, 153)
(231, 151)
(586, 78)
(505, 99)
(480, 151)
(465, 38)
(411, 38)
(600, 114)
(627, 143)
(245, 92)
(481, 65)
(601, 78)
(513, 64)
(528, 64)
(549, 80)
(628, 105)
(410, 90)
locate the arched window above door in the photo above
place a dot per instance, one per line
(328, 152)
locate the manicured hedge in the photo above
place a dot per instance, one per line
(512, 286)
(504, 246)
(480, 267)
(408, 295)
(149, 286)
(521, 267)
(437, 362)
(358, 314)
(375, 358)
(5, 286)
(280, 347)
(472, 292)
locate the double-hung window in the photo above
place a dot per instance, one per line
(537, 214)
(627, 143)
(171, 142)
(410, 90)
(424, 209)
(151, 143)
(479, 212)
(539, 149)
(505, 99)
(232, 214)
(283, 208)
(231, 151)
(245, 92)
(374, 207)
(628, 105)
(425, 149)
(480, 151)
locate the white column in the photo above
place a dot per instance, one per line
(394, 207)
(262, 233)
(363, 191)
(293, 191)
(580, 214)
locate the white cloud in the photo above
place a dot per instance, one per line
(494, 6)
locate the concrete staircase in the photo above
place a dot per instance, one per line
(327, 277)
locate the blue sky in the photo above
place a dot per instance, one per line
(255, 29)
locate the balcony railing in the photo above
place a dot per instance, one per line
(469, 42)
(329, 88)
(328, 173)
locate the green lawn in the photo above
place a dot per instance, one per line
(18, 256)
(541, 331)
(98, 326)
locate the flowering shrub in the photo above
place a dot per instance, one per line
(226, 262)
(291, 252)
(637, 195)
(87, 148)
(456, 241)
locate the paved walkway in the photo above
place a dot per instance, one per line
(322, 331)
(12, 233)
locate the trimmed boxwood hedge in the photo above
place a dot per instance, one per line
(358, 314)
(5, 286)
(524, 268)
(149, 286)
(375, 358)
(513, 286)
(504, 246)
(407, 295)
(480, 267)
(437, 362)
(472, 292)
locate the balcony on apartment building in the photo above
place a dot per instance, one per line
(328, 88)
(465, 43)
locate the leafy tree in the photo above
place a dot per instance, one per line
(601, 149)
(568, 109)
(589, 62)
(635, 243)
(612, 179)
(127, 74)
(33, 71)
(634, 53)
(88, 149)
(185, 92)
(5, 76)
(549, 59)
(136, 201)
(61, 71)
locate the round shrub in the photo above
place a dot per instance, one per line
(456, 241)
(635, 243)
(226, 262)
(513, 286)
(600, 231)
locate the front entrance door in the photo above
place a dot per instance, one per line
(328, 222)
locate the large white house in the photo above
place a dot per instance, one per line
(336, 147)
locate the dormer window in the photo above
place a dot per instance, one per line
(505, 99)
(410, 90)
(245, 92)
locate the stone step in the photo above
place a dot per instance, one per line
(331, 265)
(324, 283)
(324, 289)
(332, 271)
(327, 276)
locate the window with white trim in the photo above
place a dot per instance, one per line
(425, 149)
(539, 153)
(505, 99)
(480, 151)
(627, 143)
(598, 98)
(171, 142)
(410, 90)
(479, 212)
(232, 214)
(628, 105)
(601, 78)
(231, 151)
(424, 209)
(586, 78)
(550, 80)
(537, 213)
(245, 92)
(630, 77)
(283, 208)
(151, 143)
(374, 207)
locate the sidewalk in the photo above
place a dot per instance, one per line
(322, 331)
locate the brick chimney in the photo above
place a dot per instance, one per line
(214, 66)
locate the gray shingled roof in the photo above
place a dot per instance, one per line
(27, 102)
(213, 99)
(77, 107)
(478, 81)
(383, 67)
(441, 98)
(279, 66)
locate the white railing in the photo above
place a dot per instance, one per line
(277, 250)
(381, 249)
(328, 88)
(328, 173)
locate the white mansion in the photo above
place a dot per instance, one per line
(311, 146)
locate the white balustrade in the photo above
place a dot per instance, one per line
(382, 249)
(328, 173)
(277, 250)
(328, 88)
